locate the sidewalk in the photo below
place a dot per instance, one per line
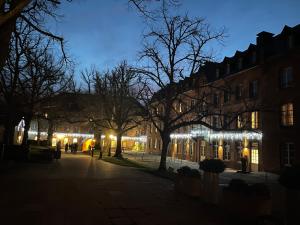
(152, 161)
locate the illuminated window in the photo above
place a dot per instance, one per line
(286, 77)
(254, 120)
(254, 156)
(239, 121)
(288, 153)
(202, 148)
(215, 150)
(180, 107)
(254, 153)
(287, 114)
(226, 152)
(155, 143)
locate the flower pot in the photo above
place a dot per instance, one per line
(190, 186)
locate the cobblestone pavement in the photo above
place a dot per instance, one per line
(80, 190)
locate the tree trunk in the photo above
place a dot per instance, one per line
(163, 158)
(100, 147)
(9, 131)
(118, 152)
(5, 36)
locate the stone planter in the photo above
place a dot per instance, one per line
(244, 205)
(190, 186)
(211, 187)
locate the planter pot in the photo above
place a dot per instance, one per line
(211, 187)
(244, 205)
(190, 186)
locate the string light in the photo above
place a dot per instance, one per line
(214, 135)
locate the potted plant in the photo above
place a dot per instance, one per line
(290, 179)
(212, 168)
(188, 181)
(243, 200)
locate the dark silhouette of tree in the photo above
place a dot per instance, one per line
(33, 12)
(118, 92)
(31, 75)
(175, 47)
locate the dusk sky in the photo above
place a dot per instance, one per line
(104, 32)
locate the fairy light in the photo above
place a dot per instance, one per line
(214, 135)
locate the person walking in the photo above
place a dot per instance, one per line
(57, 154)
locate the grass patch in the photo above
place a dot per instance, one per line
(123, 162)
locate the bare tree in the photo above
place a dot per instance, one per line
(175, 47)
(33, 12)
(87, 77)
(119, 90)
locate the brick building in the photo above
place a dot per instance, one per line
(261, 83)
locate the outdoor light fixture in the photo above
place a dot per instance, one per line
(214, 135)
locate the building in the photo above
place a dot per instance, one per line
(261, 91)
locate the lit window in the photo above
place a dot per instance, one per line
(202, 148)
(155, 143)
(286, 77)
(226, 151)
(254, 155)
(180, 107)
(288, 152)
(215, 150)
(254, 120)
(287, 114)
(239, 121)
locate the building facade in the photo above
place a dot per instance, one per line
(259, 86)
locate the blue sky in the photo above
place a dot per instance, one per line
(104, 32)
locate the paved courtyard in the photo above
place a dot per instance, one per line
(80, 190)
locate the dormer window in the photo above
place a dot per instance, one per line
(217, 73)
(240, 63)
(228, 68)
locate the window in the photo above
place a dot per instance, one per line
(254, 153)
(286, 77)
(228, 68)
(253, 58)
(254, 120)
(215, 122)
(287, 114)
(192, 103)
(215, 150)
(191, 148)
(288, 153)
(155, 143)
(253, 89)
(202, 148)
(239, 122)
(217, 73)
(180, 107)
(216, 99)
(226, 96)
(226, 151)
(239, 148)
(240, 63)
(238, 91)
(291, 41)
